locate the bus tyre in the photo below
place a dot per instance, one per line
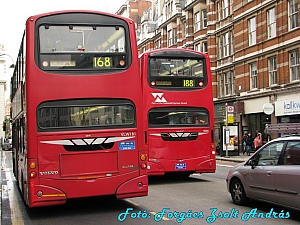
(237, 192)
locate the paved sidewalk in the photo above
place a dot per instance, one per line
(239, 158)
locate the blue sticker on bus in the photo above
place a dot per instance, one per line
(127, 145)
(180, 166)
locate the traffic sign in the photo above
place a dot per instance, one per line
(230, 119)
(230, 109)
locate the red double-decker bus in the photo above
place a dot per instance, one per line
(179, 113)
(76, 109)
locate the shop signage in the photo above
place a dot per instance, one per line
(268, 108)
(287, 107)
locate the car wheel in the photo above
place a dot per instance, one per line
(237, 192)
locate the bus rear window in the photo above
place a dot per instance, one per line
(179, 116)
(82, 47)
(85, 114)
(177, 73)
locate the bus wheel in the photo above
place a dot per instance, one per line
(237, 192)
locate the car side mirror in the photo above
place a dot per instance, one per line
(252, 163)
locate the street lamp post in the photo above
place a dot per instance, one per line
(227, 136)
(12, 65)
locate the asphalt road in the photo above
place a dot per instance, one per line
(198, 199)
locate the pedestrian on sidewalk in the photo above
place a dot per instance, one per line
(244, 138)
(249, 143)
(258, 141)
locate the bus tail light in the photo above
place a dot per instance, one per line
(31, 169)
(32, 165)
(32, 174)
(213, 148)
(143, 157)
(143, 165)
(201, 84)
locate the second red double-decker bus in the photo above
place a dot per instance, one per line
(76, 120)
(178, 109)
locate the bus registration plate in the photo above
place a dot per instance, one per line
(180, 166)
(127, 145)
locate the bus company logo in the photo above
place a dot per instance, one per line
(159, 97)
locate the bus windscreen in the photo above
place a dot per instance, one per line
(177, 73)
(82, 47)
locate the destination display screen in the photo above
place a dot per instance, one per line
(83, 61)
(176, 82)
(177, 72)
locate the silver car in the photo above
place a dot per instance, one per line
(271, 175)
(7, 144)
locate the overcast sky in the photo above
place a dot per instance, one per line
(13, 15)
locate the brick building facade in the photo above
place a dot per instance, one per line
(253, 46)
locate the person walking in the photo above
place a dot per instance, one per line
(258, 141)
(249, 143)
(244, 143)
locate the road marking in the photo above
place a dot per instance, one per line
(132, 202)
(224, 165)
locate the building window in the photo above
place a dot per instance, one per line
(293, 14)
(170, 39)
(272, 70)
(294, 64)
(204, 18)
(227, 82)
(197, 21)
(198, 47)
(221, 86)
(219, 11)
(252, 31)
(233, 82)
(271, 23)
(157, 44)
(232, 42)
(253, 75)
(220, 47)
(184, 30)
(204, 47)
(175, 35)
(225, 8)
(230, 5)
(226, 45)
(169, 10)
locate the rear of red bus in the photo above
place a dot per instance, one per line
(178, 109)
(78, 109)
